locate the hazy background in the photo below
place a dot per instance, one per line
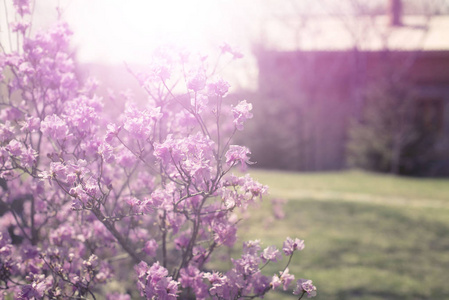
(321, 73)
(336, 85)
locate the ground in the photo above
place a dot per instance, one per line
(367, 236)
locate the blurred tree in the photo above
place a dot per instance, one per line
(317, 98)
(390, 137)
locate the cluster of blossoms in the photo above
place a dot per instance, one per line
(86, 199)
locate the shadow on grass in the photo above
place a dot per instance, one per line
(361, 293)
(363, 250)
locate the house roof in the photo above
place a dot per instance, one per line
(370, 33)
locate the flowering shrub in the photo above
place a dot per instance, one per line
(86, 198)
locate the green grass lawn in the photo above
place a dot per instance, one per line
(367, 236)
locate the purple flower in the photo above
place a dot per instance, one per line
(193, 278)
(6, 131)
(286, 278)
(14, 148)
(140, 123)
(197, 81)
(238, 154)
(20, 26)
(271, 254)
(22, 6)
(275, 282)
(219, 87)
(218, 282)
(291, 245)
(28, 157)
(54, 127)
(5, 245)
(155, 282)
(253, 188)
(58, 171)
(251, 247)
(305, 286)
(92, 262)
(182, 241)
(126, 159)
(242, 113)
(106, 152)
(150, 248)
(156, 173)
(226, 48)
(112, 131)
(225, 233)
(31, 124)
(36, 289)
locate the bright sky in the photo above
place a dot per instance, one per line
(118, 30)
(127, 30)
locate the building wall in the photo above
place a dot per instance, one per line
(326, 91)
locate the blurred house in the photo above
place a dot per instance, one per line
(323, 67)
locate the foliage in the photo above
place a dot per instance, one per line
(390, 137)
(370, 236)
(86, 197)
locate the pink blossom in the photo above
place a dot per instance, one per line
(10, 114)
(150, 247)
(15, 148)
(275, 282)
(182, 241)
(226, 48)
(224, 233)
(218, 87)
(5, 245)
(197, 81)
(252, 188)
(271, 254)
(251, 247)
(291, 245)
(64, 233)
(28, 157)
(111, 133)
(305, 286)
(155, 282)
(22, 6)
(219, 284)
(238, 154)
(199, 102)
(106, 152)
(160, 69)
(54, 127)
(155, 175)
(185, 121)
(192, 278)
(6, 131)
(242, 113)
(20, 26)
(286, 278)
(84, 113)
(140, 123)
(126, 159)
(58, 170)
(31, 124)
(92, 262)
